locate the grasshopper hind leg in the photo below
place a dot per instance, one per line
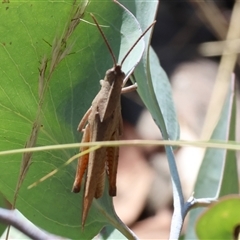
(112, 154)
(111, 165)
(82, 162)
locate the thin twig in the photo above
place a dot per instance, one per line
(197, 202)
(17, 220)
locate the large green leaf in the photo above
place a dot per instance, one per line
(109, 232)
(221, 221)
(33, 34)
(218, 173)
(153, 84)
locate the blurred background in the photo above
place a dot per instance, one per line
(186, 38)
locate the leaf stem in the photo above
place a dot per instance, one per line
(178, 199)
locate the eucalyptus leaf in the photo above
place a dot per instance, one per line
(51, 64)
(221, 221)
(153, 84)
(109, 233)
(218, 171)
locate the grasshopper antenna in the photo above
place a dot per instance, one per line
(105, 39)
(137, 42)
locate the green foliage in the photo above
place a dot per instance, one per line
(153, 84)
(218, 173)
(221, 221)
(51, 64)
(109, 232)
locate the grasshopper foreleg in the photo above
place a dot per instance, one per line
(129, 88)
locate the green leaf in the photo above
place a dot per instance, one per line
(109, 232)
(155, 91)
(34, 36)
(153, 84)
(163, 93)
(218, 173)
(221, 220)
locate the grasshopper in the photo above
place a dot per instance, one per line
(102, 122)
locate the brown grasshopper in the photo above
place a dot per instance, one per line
(102, 122)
